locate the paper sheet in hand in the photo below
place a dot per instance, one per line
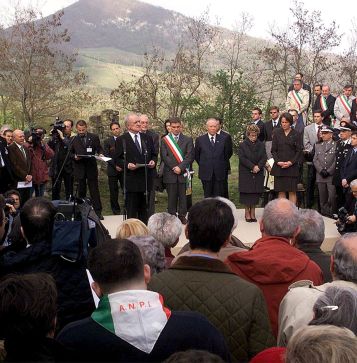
(103, 158)
(21, 185)
(140, 165)
(90, 280)
(270, 162)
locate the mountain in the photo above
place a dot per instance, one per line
(127, 25)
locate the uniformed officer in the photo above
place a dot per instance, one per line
(325, 163)
(342, 147)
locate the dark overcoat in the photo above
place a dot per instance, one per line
(251, 154)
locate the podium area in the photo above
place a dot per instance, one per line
(248, 233)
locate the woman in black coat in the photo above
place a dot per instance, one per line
(252, 159)
(287, 153)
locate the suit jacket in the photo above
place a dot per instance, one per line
(20, 166)
(155, 139)
(6, 178)
(299, 127)
(353, 116)
(109, 151)
(86, 167)
(268, 129)
(125, 147)
(341, 151)
(228, 148)
(349, 168)
(286, 148)
(339, 109)
(291, 103)
(211, 159)
(186, 145)
(310, 137)
(330, 101)
(325, 158)
(306, 87)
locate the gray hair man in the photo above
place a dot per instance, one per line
(296, 309)
(152, 251)
(310, 239)
(337, 306)
(323, 344)
(166, 228)
(266, 265)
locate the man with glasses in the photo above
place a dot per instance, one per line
(269, 128)
(62, 168)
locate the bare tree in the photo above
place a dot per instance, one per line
(36, 72)
(303, 47)
(348, 60)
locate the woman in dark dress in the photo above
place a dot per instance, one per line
(287, 152)
(252, 159)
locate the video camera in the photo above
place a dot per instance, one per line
(36, 135)
(58, 125)
(342, 225)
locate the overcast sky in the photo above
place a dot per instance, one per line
(265, 13)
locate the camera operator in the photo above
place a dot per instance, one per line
(347, 215)
(12, 210)
(40, 153)
(62, 168)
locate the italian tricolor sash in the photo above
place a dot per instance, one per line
(323, 103)
(295, 95)
(174, 147)
(136, 316)
(178, 155)
(346, 105)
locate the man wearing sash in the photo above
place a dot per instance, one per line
(177, 154)
(343, 105)
(326, 103)
(298, 99)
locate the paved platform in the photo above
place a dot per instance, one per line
(248, 233)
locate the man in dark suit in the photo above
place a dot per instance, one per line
(317, 94)
(349, 168)
(177, 154)
(210, 155)
(6, 179)
(342, 148)
(269, 127)
(114, 172)
(144, 123)
(138, 149)
(326, 103)
(84, 146)
(21, 164)
(229, 149)
(257, 120)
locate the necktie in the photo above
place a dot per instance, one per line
(274, 124)
(137, 143)
(23, 152)
(176, 138)
(212, 140)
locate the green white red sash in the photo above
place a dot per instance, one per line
(178, 155)
(323, 103)
(346, 105)
(136, 316)
(295, 95)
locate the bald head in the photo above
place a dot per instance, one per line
(18, 136)
(280, 219)
(212, 126)
(344, 258)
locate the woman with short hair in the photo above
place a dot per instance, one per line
(252, 159)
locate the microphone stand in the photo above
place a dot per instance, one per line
(146, 180)
(124, 181)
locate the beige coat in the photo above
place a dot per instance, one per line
(296, 309)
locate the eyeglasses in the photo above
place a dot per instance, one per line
(273, 112)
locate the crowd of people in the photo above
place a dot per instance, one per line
(131, 300)
(71, 292)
